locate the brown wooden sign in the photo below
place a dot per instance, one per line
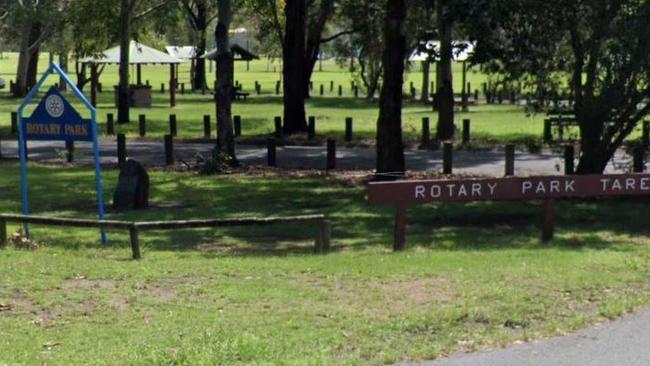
(549, 188)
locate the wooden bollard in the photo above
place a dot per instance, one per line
(340, 90)
(548, 134)
(548, 224)
(278, 126)
(348, 129)
(476, 96)
(162, 88)
(270, 152)
(135, 242)
(331, 154)
(569, 155)
(182, 88)
(173, 127)
(645, 135)
(510, 160)
(639, 159)
(426, 132)
(356, 91)
(324, 237)
(3, 233)
(311, 128)
(69, 151)
(99, 88)
(207, 126)
(14, 123)
(110, 124)
(466, 130)
(169, 150)
(142, 125)
(237, 125)
(332, 86)
(277, 88)
(447, 158)
(121, 148)
(322, 90)
(147, 83)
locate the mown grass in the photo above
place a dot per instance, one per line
(497, 123)
(475, 276)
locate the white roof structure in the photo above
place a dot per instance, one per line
(183, 53)
(139, 54)
(462, 51)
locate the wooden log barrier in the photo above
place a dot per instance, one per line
(321, 243)
(548, 189)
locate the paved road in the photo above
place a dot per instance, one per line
(623, 342)
(151, 154)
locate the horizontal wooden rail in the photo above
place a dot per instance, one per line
(322, 243)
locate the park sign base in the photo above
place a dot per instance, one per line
(548, 189)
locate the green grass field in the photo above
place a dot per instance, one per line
(493, 124)
(475, 276)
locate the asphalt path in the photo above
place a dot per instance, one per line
(622, 342)
(151, 154)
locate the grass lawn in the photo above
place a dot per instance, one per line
(493, 124)
(475, 276)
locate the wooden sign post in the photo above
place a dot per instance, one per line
(402, 194)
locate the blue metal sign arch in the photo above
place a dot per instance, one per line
(55, 119)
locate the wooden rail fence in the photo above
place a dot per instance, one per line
(322, 242)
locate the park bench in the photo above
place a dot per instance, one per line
(558, 120)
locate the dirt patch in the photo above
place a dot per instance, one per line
(82, 283)
(386, 298)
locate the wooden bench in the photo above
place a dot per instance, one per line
(558, 120)
(322, 243)
(240, 94)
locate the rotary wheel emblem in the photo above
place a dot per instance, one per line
(54, 106)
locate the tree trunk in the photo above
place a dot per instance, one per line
(225, 80)
(32, 68)
(199, 79)
(426, 71)
(314, 40)
(63, 62)
(445, 97)
(390, 147)
(293, 55)
(123, 94)
(26, 70)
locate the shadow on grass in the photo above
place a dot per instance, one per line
(604, 224)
